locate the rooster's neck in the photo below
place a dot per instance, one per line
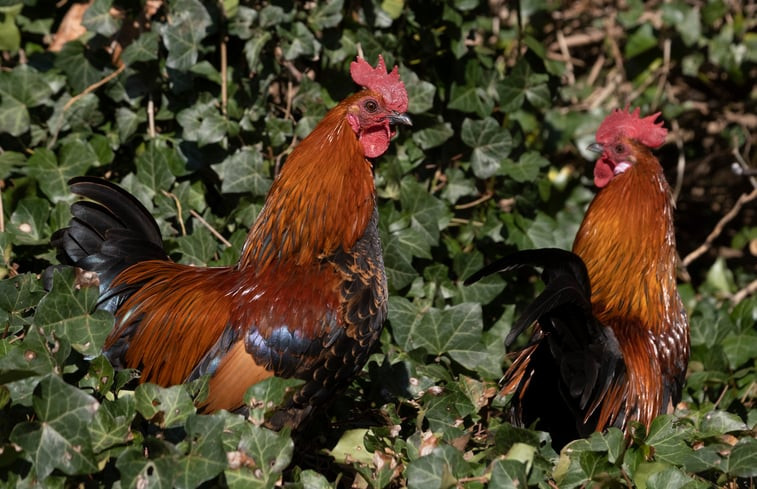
(628, 244)
(321, 201)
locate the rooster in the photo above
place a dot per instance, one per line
(611, 337)
(307, 298)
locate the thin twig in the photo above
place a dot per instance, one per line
(151, 117)
(718, 229)
(212, 230)
(741, 162)
(681, 166)
(595, 70)
(224, 61)
(178, 210)
(2, 218)
(664, 73)
(743, 293)
(94, 87)
(565, 51)
(484, 197)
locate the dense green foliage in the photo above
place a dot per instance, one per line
(207, 102)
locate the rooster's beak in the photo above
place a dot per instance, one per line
(397, 118)
(596, 147)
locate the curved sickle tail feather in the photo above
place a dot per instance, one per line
(107, 234)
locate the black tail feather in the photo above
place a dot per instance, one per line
(575, 353)
(107, 233)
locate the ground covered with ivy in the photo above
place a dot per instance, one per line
(193, 106)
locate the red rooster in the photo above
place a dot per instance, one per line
(307, 298)
(611, 340)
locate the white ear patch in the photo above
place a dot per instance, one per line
(621, 167)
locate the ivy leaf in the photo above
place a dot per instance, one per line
(431, 137)
(420, 93)
(508, 473)
(75, 158)
(428, 214)
(14, 116)
(28, 221)
(79, 67)
(326, 15)
(243, 171)
(470, 99)
(521, 84)
(183, 34)
(739, 349)
(26, 85)
(138, 471)
(167, 406)
(438, 469)
(270, 452)
(197, 248)
(205, 457)
(526, 169)
(143, 48)
(202, 123)
(59, 440)
(719, 422)
(742, 462)
(455, 330)
(98, 18)
(670, 478)
(490, 142)
(111, 424)
(643, 39)
(254, 46)
(299, 41)
(67, 312)
(155, 165)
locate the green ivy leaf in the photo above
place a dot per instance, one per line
(138, 471)
(110, 426)
(143, 48)
(438, 469)
(14, 117)
(68, 312)
(28, 221)
(155, 165)
(527, 168)
(490, 142)
(167, 406)
(187, 27)
(98, 18)
(742, 462)
(326, 15)
(470, 99)
(205, 456)
(59, 440)
(271, 453)
(431, 137)
(643, 39)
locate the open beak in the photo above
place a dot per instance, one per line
(397, 118)
(596, 147)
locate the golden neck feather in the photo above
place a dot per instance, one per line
(628, 244)
(321, 201)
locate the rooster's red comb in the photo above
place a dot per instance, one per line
(377, 79)
(628, 124)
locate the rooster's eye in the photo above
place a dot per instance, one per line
(371, 106)
(619, 148)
